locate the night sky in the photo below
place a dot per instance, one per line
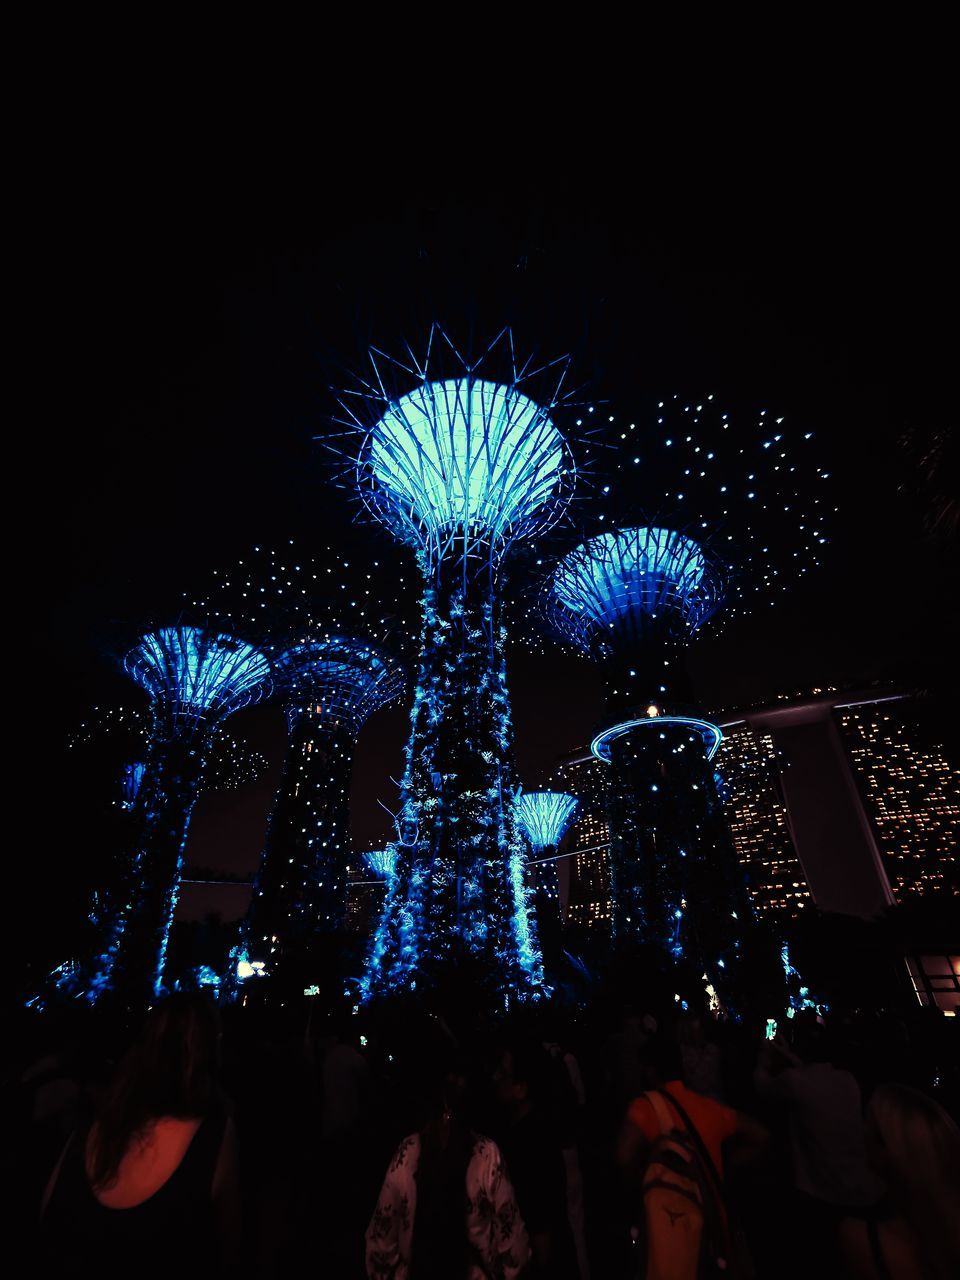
(188, 347)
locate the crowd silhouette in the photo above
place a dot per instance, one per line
(627, 1138)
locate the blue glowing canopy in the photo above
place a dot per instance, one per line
(544, 816)
(196, 673)
(340, 678)
(632, 575)
(463, 457)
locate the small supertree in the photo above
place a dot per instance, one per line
(460, 459)
(332, 625)
(329, 688)
(195, 679)
(734, 510)
(543, 817)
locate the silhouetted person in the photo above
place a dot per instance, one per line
(830, 1172)
(915, 1148)
(149, 1188)
(713, 1131)
(446, 1210)
(531, 1145)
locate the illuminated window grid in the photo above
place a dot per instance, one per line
(587, 842)
(757, 817)
(912, 797)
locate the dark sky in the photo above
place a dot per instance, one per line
(187, 341)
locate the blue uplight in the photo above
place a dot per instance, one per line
(544, 817)
(463, 457)
(712, 735)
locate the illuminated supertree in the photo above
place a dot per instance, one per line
(328, 624)
(330, 688)
(735, 509)
(195, 679)
(459, 458)
(543, 817)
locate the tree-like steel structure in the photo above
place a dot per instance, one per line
(330, 688)
(329, 625)
(738, 510)
(460, 459)
(194, 678)
(544, 817)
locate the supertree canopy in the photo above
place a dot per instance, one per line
(733, 509)
(330, 626)
(194, 678)
(543, 817)
(460, 458)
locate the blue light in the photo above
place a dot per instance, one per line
(339, 679)
(544, 817)
(712, 735)
(197, 671)
(382, 862)
(629, 575)
(463, 457)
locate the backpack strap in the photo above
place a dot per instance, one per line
(664, 1119)
(54, 1176)
(699, 1143)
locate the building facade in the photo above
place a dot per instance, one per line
(748, 769)
(584, 871)
(846, 802)
(911, 794)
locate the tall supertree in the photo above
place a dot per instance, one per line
(330, 624)
(543, 817)
(194, 678)
(460, 459)
(733, 508)
(330, 688)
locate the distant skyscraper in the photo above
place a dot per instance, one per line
(588, 841)
(749, 778)
(911, 793)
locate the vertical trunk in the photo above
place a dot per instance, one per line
(300, 891)
(460, 892)
(131, 966)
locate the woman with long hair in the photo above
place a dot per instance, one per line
(150, 1185)
(914, 1145)
(446, 1210)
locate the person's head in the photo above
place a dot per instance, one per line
(520, 1074)
(171, 1070)
(666, 1058)
(691, 1032)
(811, 1039)
(915, 1147)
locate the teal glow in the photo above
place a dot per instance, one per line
(712, 735)
(340, 679)
(544, 817)
(628, 573)
(382, 862)
(197, 670)
(463, 456)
